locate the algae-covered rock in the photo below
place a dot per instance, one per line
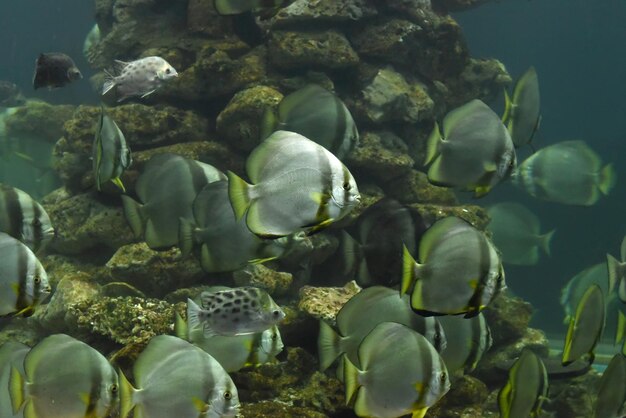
(321, 50)
(325, 302)
(389, 97)
(83, 223)
(323, 12)
(154, 272)
(203, 18)
(435, 51)
(476, 215)
(76, 289)
(483, 79)
(464, 399)
(508, 318)
(379, 155)
(215, 74)
(276, 283)
(124, 320)
(414, 187)
(239, 123)
(38, 120)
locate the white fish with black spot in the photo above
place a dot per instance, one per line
(141, 77)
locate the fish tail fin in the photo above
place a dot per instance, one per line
(621, 327)
(607, 179)
(352, 252)
(127, 392)
(614, 267)
(419, 413)
(268, 124)
(350, 379)
(432, 146)
(134, 215)
(118, 182)
(16, 390)
(238, 194)
(185, 236)
(109, 82)
(327, 345)
(180, 327)
(193, 315)
(545, 241)
(408, 271)
(508, 106)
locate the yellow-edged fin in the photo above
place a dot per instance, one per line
(127, 392)
(417, 301)
(350, 379)
(134, 215)
(268, 123)
(118, 182)
(238, 194)
(328, 342)
(508, 105)
(408, 270)
(481, 191)
(419, 413)
(29, 410)
(27, 311)
(201, 406)
(320, 226)
(16, 390)
(90, 407)
(180, 327)
(565, 360)
(432, 145)
(504, 399)
(261, 260)
(607, 179)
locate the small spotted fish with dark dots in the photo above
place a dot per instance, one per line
(238, 311)
(141, 77)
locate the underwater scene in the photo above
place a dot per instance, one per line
(312, 209)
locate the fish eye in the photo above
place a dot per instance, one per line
(346, 186)
(113, 388)
(444, 377)
(274, 337)
(36, 222)
(276, 312)
(167, 71)
(227, 395)
(37, 279)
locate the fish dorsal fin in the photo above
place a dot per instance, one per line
(127, 392)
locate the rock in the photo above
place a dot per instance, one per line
(483, 79)
(325, 302)
(124, 320)
(417, 11)
(216, 75)
(414, 187)
(239, 123)
(298, 50)
(154, 272)
(321, 12)
(573, 398)
(389, 97)
(464, 399)
(380, 156)
(436, 49)
(508, 317)
(143, 127)
(82, 223)
(70, 290)
(476, 215)
(38, 120)
(202, 18)
(276, 283)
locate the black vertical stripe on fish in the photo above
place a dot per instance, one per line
(476, 330)
(340, 126)
(483, 276)
(22, 271)
(37, 227)
(253, 355)
(14, 212)
(94, 392)
(198, 176)
(346, 181)
(427, 368)
(327, 185)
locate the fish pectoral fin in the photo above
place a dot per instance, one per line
(148, 93)
(16, 288)
(261, 260)
(320, 198)
(201, 406)
(25, 312)
(320, 226)
(118, 182)
(481, 191)
(420, 413)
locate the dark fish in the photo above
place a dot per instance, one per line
(375, 252)
(585, 328)
(317, 114)
(522, 114)
(166, 188)
(55, 69)
(612, 391)
(526, 388)
(10, 95)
